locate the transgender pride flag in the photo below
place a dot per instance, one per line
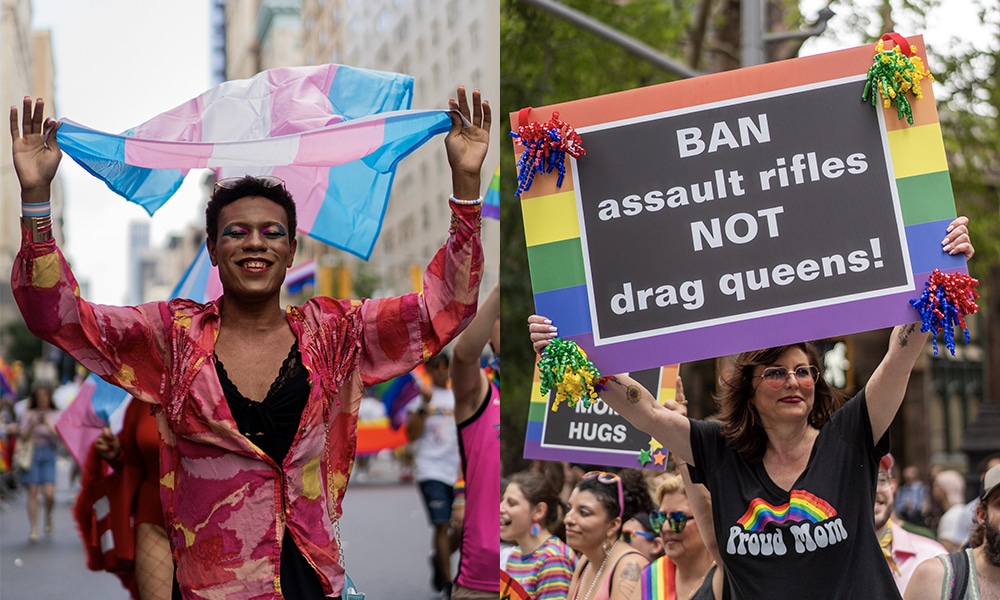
(334, 134)
(97, 403)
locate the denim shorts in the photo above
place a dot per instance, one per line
(437, 498)
(43, 466)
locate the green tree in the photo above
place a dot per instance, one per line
(546, 61)
(20, 344)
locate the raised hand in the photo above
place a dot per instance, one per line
(35, 150)
(467, 145)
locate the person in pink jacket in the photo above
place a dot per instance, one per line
(257, 406)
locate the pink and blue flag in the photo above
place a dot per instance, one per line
(300, 276)
(97, 400)
(334, 133)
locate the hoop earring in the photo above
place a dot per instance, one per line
(606, 548)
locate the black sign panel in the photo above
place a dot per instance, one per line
(720, 214)
(598, 427)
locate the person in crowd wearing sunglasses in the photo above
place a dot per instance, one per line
(608, 568)
(687, 568)
(257, 406)
(791, 469)
(531, 516)
(638, 533)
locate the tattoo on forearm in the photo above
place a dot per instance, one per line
(632, 392)
(904, 334)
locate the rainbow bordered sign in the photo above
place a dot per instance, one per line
(596, 435)
(736, 211)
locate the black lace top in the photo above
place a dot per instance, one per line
(271, 425)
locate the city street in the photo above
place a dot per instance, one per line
(384, 530)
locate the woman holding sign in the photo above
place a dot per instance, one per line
(791, 467)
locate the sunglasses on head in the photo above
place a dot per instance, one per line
(608, 479)
(268, 181)
(675, 521)
(628, 536)
(776, 377)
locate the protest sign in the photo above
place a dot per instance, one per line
(736, 211)
(596, 434)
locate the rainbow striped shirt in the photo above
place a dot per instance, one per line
(546, 572)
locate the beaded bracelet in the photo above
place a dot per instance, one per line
(467, 202)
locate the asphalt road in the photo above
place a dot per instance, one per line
(386, 538)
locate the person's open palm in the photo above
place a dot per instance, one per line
(467, 145)
(34, 148)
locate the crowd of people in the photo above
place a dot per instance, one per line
(651, 533)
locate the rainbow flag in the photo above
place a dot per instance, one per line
(659, 580)
(400, 391)
(4, 452)
(8, 387)
(491, 203)
(510, 589)
(334, 133)
(97, 400)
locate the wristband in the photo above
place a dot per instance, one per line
(40, 209)
(467, 202)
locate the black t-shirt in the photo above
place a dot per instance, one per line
(817, 541)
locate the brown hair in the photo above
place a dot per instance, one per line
(537, 489)
(35, 393)
(741, 424)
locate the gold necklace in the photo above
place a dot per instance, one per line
(597, 577)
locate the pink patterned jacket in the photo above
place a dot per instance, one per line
(226, 503)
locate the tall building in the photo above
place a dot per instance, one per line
(26, 68)
(138, 244)
(441, 43)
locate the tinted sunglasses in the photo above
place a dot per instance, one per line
(268, 181)
(777, 376)
(675, 521)
(608, 479)
(629, 535)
